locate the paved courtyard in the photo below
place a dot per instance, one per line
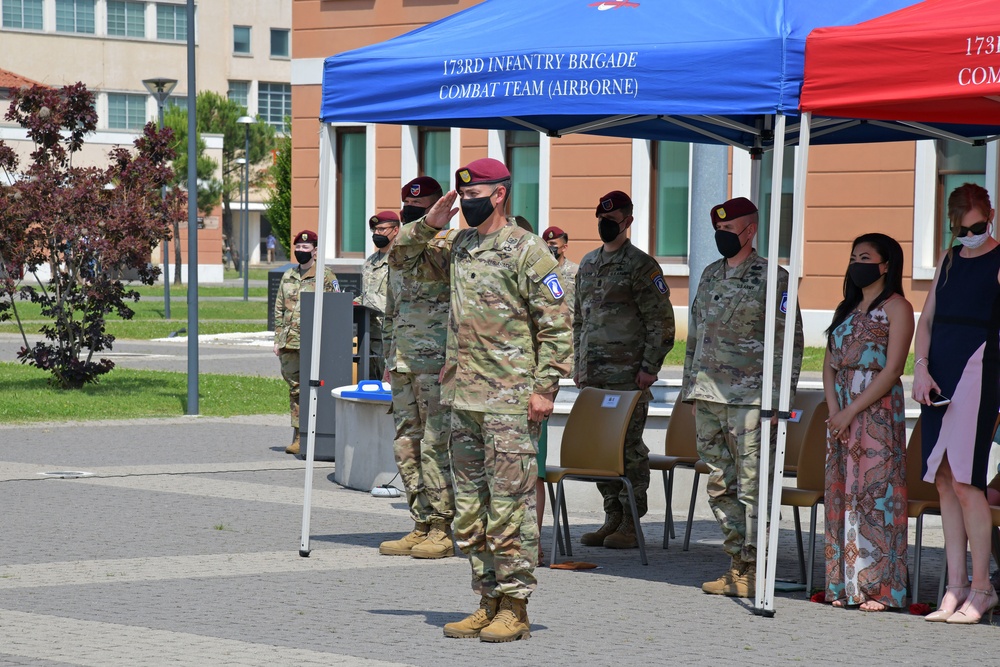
(182, 549)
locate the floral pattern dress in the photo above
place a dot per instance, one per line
(866, 511)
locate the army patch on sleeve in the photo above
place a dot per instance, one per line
(659, 282)
(336, 285)
(552, 282)
(784, 302)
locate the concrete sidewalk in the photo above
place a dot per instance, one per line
(182, 548)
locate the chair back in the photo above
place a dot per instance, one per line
(594, 436)
(811, 403)
(681, 437)
(916, 487)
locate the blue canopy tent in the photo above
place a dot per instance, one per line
(708, 71)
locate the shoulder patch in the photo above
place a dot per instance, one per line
(336, 285)
(659, 282)
(552, 282)
(784, 302)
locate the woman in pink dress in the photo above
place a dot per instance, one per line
(866, 518)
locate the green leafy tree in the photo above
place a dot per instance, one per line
(279, 192)
(88, 224)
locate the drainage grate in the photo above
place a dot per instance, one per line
(66, 474)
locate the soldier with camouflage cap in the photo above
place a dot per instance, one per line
(415, 328)
(723, 376)
(375, 284)
(287, 319)
(509, 343)
(623, 327)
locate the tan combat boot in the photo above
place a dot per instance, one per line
(510, 623)
(744, 585)
(294, 447)
(596, 539)
(437, 544)
(722, 584)
(470, 626)
(404, 545)
(624, 537)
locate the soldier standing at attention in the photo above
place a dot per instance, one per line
(375, 283)
(509, 343)
(287, 319)
(415, 327)
(623, 327)
(723, 376)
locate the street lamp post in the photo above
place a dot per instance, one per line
(246, 122)
(160, 89)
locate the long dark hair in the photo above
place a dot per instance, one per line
(889, 251)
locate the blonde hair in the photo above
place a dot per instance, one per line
(963, 199)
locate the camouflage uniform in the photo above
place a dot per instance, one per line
(416, 326)
(508, 337)
(374, 285)
(723, 375)
(623, 322)
(287, 321)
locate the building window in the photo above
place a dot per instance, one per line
(239, 92)
(241, 39)
(669, 191)
(279, 43)
(957, 163)
(126, 112)
(522, 160)
(274, 104)
(171, 22)
(75, 16)
(126, 19)
(351, 189)
(179, 101)
(434, 154)
(787, 199)
(22, 14)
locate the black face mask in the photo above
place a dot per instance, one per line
(728, 243)
(303, 256)
(477, 210)
(863, 274)
(608, 229)
(411, 213)
(380, 240)
(554, 250)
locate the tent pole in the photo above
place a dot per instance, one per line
(326, 148)
(774, 236)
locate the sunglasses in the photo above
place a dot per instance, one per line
(975, 229)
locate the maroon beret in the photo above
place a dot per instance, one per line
(485, 170)
(307, 236)
(732, 209)
(421, 186)
(553, 233)
(612, 201)
(383, 216)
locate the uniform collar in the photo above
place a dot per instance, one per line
(492, 240)
(741, 269)
(616, 257)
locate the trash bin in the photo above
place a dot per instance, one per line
(365, 432)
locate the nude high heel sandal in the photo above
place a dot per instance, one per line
(942, 615)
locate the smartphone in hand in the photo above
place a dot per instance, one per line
(938, 398)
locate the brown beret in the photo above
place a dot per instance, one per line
(612, 201)
(732, 209)
(554, 233)
(307, 236)
(485, 170)
(383, 216)
(421, 186)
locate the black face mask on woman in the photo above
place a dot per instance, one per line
(477, 210)
(608, 229)
(863, 274)
(303, 256)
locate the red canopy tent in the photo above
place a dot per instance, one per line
(934, 62)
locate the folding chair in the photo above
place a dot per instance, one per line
(680, 451)
(593, 449)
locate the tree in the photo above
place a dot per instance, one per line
(88, 224)
(279, 193)
(209, 187)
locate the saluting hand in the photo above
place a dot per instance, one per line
(442, 211)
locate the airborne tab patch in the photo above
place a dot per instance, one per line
(552, 282)
(659, 282)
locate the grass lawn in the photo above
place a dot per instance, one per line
(25, 396)
(154, 291)
(812, 358)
